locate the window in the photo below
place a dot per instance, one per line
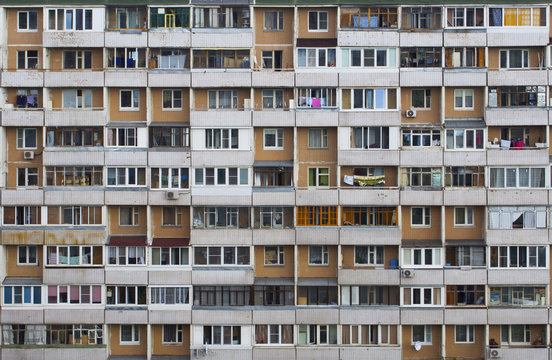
(27, 177)
(222, 295)
(172, 99)
(316, 216)
(318, 255)
(223, 99)
(22, 295)
(126, 58)
(421, 98)
(273, 139)
(23, 334)
(27, 59)
(27, 21)
(69, 19)
(272, 59)
(172, 334)
(222, 176)
(464, 57)
(465, 17)
(421, 257)
(421, 138)
(517, 17)
(517, 296)
(514, 59)
(318, 21)
(517, 177)
(463, 216)
(126, 177)
(218, 255)
(369, 99)
(273, 99)
(22, 215)
(126, 255)
(77, 98)
(316, 58)
(317, 335)
(170, 58)
(518, 256)
(170, 295)
(27, 98)
(420, 216)
(222, 17)
(172, 216)
(464, 139)
(369, 295)
(74, 255)
(274, 295)
(372, 57)
(26, 138)
(464, 176)
(169, 178)
(369, 255)
(26, 255)
(77, 59)
(421, 296)
(461, 295)
(421, 334)
(74, 136)
(169, 136)
(317, 98)
(318, 295)
(468, 256)
(221, 59)
(222, 217)
(126, 295)
(319, 177)
(222, 138)
(369, 17)
(463, 99)
(273, 21)
(129, 100)
(318, 139)
(369, 216)
(75, 215)
(173, 17)
(273, 334)
(274, 255)
(130, 334)
(74, 294)
(420, 57)
(517, 96)
(523, 217)
(421, 18)
(273, 176)
(421, 177)
(169, 256)
(74, 176)
(129, 18)
(222, 335)
(271, 217)
(515, 334)
(129, 216)
(367, 334)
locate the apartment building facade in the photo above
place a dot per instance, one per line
(274, 179)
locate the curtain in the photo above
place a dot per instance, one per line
(537, 177)
(261, 336)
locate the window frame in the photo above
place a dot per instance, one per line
(469, 215)
(426, 99)
(161, 296)
(181, 178)
(235, 339)
(85, 24)
(29, 250)
(463, 95)
(178, 334)
(228, 139)
(324, 255)
(169, 252)
(427, 335)
(57, 252)
(220, 255)
(425, 216)
(28, 173)
(279, 20)
(25, 56)
(373, 252)
(173, 106)
(323, 138)
(28, 27)
(278, 134)
(127, 171)
(210, 176)
(114, 253)
(21, 143)
(270, 333)
(514, 259)
(78, 54)
(467, 135)
(134, 216)
(319, 26)
(509, 340)
(410, 256)
(118, 292)
(69, 294)
(432, 137)
(322, 57)
(134, 100)
(507, 173)
(279, 258)
(18, 293)
(134, 334)
(217, 98)
(319, 173)
(174, 219)
(464, 16)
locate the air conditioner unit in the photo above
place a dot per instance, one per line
(407, 273)
(171, 195)
(410, 113)
(494, 353)
(28, 155)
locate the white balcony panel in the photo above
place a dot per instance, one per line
(68, 117)
(18, 237)
(518, 78)
(113, 316)
(421, 38)
(369, 315)
(370, 236)
(517, 157)
(126, 78)
(276, 79)
(225, 118)
(465, 276)
(169, 37)
(465, 196)
(168, 158)
(126, 158)
(22, 197)
(137, 275)
(160, 276)
(218, 79)
(518, 276)
(121, 197)
(368, 157)
(22, 354)
(318, 353)
(465, 38)
(93, 315)
(323, 78)
(265, 118)
(229, 38)
(22, 78)
(517, 197)
(222, 317)
(74, 78)
(421, 316)
(210, 158)
(369, 118)
(424, 277)
(366, 78)
(421, 77)
(54, 276)
(72, 39)
(268, 316)
(222, 277)
(74, 197)
(419, 197)
(75, 353)
(23, 117)
(126, 38)
(273, 197)
(274, 237)
(363, 196)
(522, 353)
(30, 317)
(367, 38)
(371, 352)
(84, 158)
(242, 237)
(426, 157)
(512, 36)
(317, 316)
(549, 77)
(271, 353)
(229, 353)
(466, 316)
(219, 199)
(316, 118)
(170, 316)
(465, 77)
(505, 116)
(383, 277)
(160, 198)
(317, 197)
(513, 316)
(168, 78)
(75, 237)
(517, 237)
(317, 236)
(464, 158)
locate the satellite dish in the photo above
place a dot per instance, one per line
(417, 346)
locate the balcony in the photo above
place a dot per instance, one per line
(64, 315)
(217, 236)
(223, 276)
(168, 38)
(128, 197)
(314, 235)
(517, 197)
(525, 156)
(269, 353)
(170, 316)
(358, 235)
(518, 276)
(516, 116)
(465, 38)
(372, 315)
(126, 316)
(522, 316)
(371, 118)
(465, 275)
(126, 78)
(126, 275)
(22, 197)
(379, 77)
(72, 39)
(126, 38)
(316, 118)
(75, 236)
(368, 157)
(427, 157)
(420, 196)
(169, 78)
(372, 352)
(223, 118)
(22, 237)
(13, 316)
(267, 118)
(216, 78)
(116, 157)
(310, 78)
(355, 37)
(23, 78)
(73, 78)
(517, 236)
(222, 38)
(73, 197)
(274, 237)
(72, 275)
(75, 117)
(416, 77)
(465, 77)
(467, 316)
(418, 316)
(184, 197)
(276, 79)
(170, 277)
(464, 158)
(424, 277)
(317, 315)
(210, 158)
(221, 196)
(421, 38)
(384, 277)
(356, 195)
(315, 197)
(94, 156)
(517, 78)
(521, 353)
(513, 36)
(22, 117)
